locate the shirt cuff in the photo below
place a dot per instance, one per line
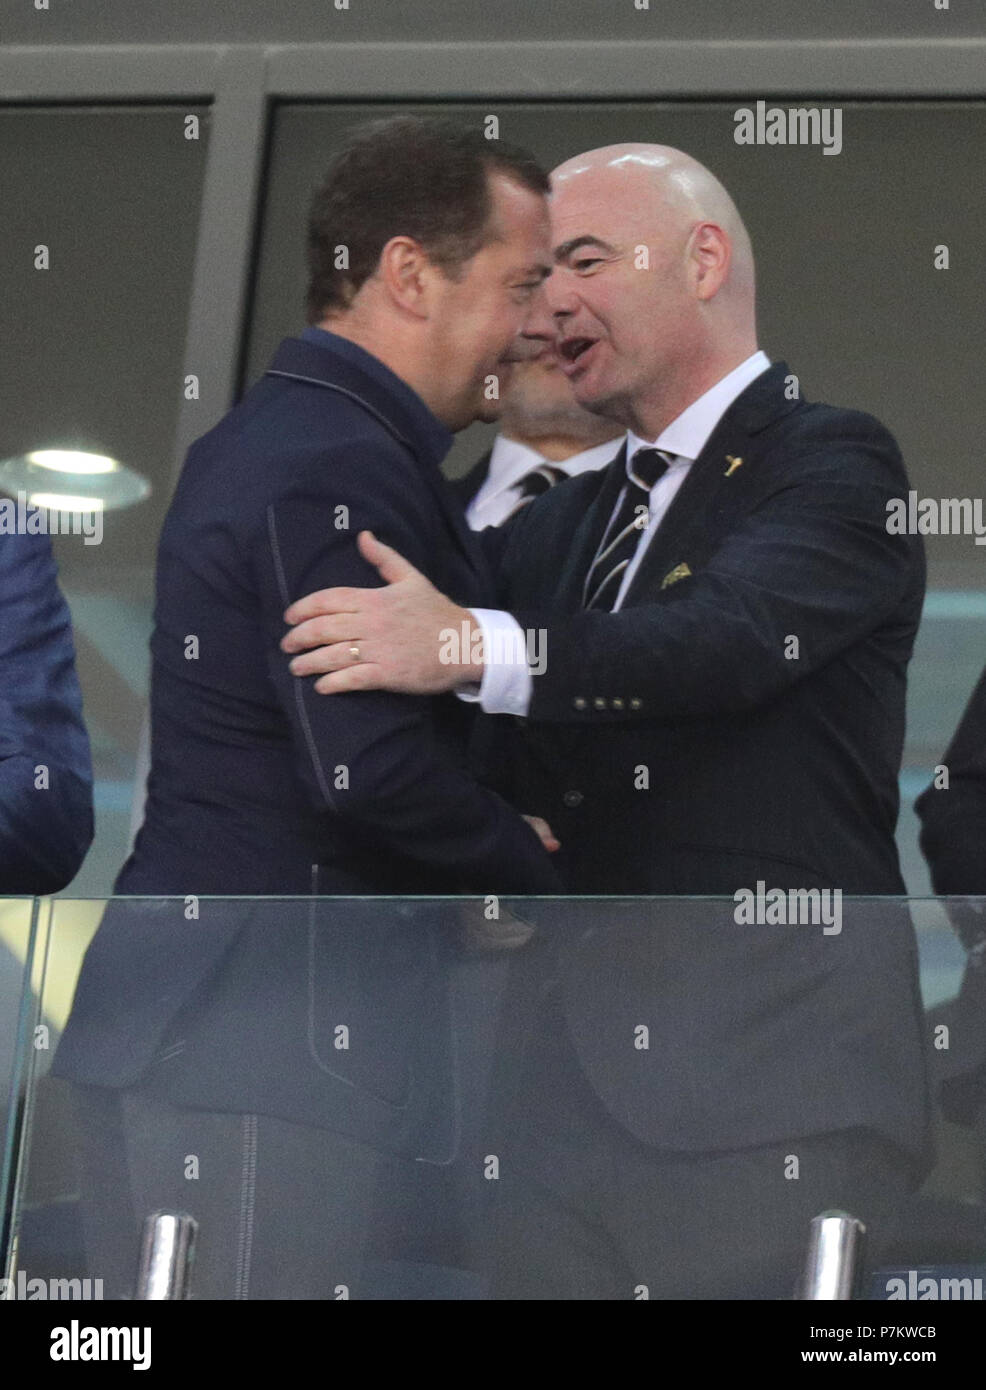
(506, 686)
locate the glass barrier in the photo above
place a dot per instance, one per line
(486, 1099)
(18, 930)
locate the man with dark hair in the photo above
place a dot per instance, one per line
(433, 179)
(426, 244)
(346, 430)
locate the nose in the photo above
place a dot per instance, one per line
(553, 304)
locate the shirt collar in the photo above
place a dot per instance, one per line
(688, 434)
(436, 437)
(511, 460)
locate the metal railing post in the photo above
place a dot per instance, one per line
(834, 1259)
(167, 1250)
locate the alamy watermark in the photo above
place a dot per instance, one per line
(22, 1288)
(80, 1342)
(789, 907)
(936, 516)
(920, 1286)
(463, 645)
(795, 125)
(37, 517)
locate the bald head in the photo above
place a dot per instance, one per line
(666, 193)
(655, 272)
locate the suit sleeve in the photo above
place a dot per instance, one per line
(808, 571)
(953, 831)
(46, 818)
(375, 759)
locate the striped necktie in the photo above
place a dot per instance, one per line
(617, 548)
(532, 485)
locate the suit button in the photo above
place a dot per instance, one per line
(636, 704)
(573, 798)
(579, 702)
(599, 702)
(616, 702)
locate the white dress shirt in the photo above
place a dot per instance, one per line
(507, 681)
(510, 462)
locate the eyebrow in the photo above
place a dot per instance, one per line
(563, 251)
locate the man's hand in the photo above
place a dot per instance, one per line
(544, 833)
(383, 639)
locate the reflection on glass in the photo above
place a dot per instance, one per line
(561, 1099)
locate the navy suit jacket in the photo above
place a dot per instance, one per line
(258, 785)
(45, 832)
(755, 675)
(741, 718)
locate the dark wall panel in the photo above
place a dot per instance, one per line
(323, 21)
(94, 345)
(93, 358)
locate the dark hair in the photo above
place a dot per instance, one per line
(406, 176)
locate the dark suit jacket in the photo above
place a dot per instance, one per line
(45, 832)
(676, 747)
(258, 785)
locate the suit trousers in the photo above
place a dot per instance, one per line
(285, 1211)
(588, 1211)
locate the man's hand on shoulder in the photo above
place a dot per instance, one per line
(405, 637)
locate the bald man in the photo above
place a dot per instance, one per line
(722, 627)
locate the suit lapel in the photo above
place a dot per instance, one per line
(674, 542)
(715, 483)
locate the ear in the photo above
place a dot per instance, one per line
(407, 276)
(710, 254)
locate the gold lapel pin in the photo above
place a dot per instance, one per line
(734, 463)
(679, 572)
